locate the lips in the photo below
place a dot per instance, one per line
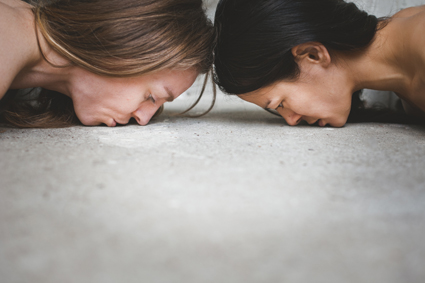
(322, 123)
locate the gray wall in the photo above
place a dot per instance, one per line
(382, 8)
(377, 7)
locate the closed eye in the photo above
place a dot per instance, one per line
(280, 105)
(274, 111)
(151, 98)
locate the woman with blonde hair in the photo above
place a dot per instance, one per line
(98, 61)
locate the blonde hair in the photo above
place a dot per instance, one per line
(128, 37)
(121, 38)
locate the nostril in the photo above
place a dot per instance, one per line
(142, 121)
(144, 116)
(135, 117)
(299, 120)
(139, 119)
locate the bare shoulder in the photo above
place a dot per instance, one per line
(408, 12)
(6, 16)
(14, 29)
(13, 3)
(415, 28)
(411, 30)
(417, 24)
(413, 21)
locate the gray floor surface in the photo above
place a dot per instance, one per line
(235, 196)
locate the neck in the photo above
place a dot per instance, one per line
(43, 74)
(379, 66)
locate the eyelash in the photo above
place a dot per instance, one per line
(151, 98)
(280, 105)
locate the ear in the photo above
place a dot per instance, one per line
(312, 52)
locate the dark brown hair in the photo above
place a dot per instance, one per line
(255, 38)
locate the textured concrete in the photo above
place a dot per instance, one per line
(236, 196)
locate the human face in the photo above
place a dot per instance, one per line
(310, 98)
(111, 101)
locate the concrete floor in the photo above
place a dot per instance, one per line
(235, 196)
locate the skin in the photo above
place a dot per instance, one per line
(116, 100)
(394, 61)
(97, 99)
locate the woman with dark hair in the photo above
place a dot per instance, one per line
(306, 58)
(98, 61)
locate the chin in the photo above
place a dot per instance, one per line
(88, 121)
(338, 124)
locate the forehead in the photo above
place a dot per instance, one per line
(178, 78)
(179, 81)
(173, 81)
(175, 73)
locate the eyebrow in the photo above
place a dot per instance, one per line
(170, 97)
(268, 104)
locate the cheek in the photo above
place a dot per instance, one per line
(313, 105)
(85, 111)
(339, 122)
(85, 116)
(303, 103)
(86, 119)
(326, 100)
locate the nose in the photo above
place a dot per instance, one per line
(290, 116)
(144, 114)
